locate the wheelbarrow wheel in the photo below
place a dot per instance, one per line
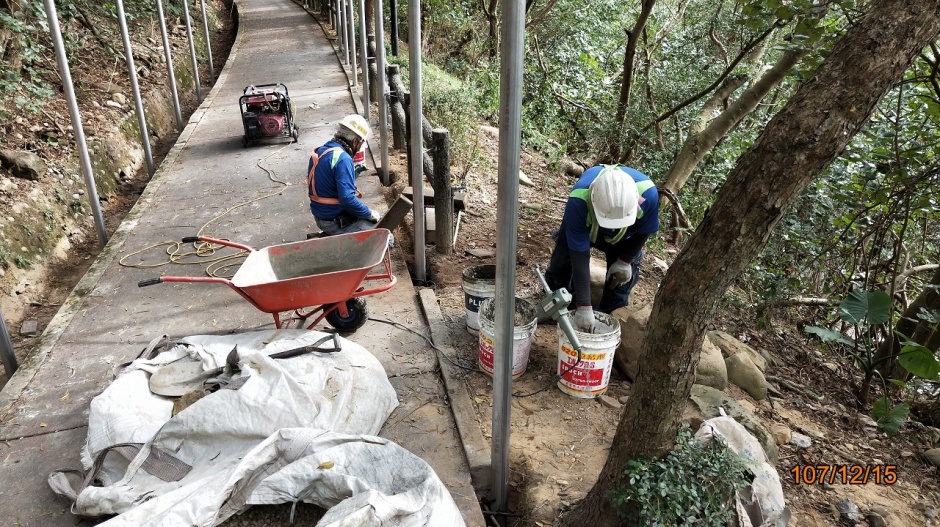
(358, 313)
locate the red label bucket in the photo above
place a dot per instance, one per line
(524, 325)
(590, 377)
(360, 157)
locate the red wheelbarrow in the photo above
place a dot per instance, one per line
(321, 276)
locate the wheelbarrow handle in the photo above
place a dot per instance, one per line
(192, 239)
(149, 281)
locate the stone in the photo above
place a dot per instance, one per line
(848, 510)
(29, 328)
(743, 373)
(598, 277)
(609, 402)
(731, 346)
(113, 104)
(800, 440)
(479, 252)
(524, 180)
(119, 98)
(623, 399)
(711, 370)
(709, 402)
(877, 518)
(632, 330)
(933, 456)
(933, 434)
(781, 433)
(26, 165)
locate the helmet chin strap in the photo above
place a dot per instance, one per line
(346, 146)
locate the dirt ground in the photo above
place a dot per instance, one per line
(559, 443)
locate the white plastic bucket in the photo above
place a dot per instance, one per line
(479, 283)
(523, 330)
(590, 377)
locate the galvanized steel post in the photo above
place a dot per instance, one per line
(351, 38)
(69, 89)
(364, 49)
(135, 88)
(512, 39)
(381, 90)
(168, 54)
(205, 27)
(192, 51)
(417, 138)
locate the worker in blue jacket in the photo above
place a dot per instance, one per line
(613, 208)
(331, 181)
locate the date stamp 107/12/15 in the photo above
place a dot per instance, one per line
(844, 474)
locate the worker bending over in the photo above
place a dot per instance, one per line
(615, 209)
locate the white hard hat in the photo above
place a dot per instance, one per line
(357, 124)
(614, 197)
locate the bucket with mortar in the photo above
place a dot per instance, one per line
(524, 325)
(590, 377)
(479, 283)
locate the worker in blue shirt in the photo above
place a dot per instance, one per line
(331, 181)
(615, 209)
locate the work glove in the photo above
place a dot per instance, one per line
(584, 319)
(619, 274)
(360, 168)
(373, 216)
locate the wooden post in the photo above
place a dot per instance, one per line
(427, 164)
(396, 107)
(373, 73)
(443, 192)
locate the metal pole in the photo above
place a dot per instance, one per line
(167, 53)
(135, 89)
(205, 27)
(507, 221)
(69, 89)
(192, 51)
(6, 348)
(341, 32)
(381, 90)
(351, 39)
(393, 26)
(417, 138)
(364, 49)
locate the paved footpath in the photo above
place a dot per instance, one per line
(108, 319)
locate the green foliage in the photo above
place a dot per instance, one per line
(695, 484)
(889, 418)
(22, 261)
(77, 206)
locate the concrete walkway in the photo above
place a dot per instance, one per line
(210, 185)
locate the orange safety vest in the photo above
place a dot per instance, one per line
(311, 181)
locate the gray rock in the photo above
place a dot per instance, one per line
(731, 346)
(711, 370)
(848, 510)
(800, 441)
(119, 98)
(26, 165)
(632, 330)
(478, 252)
(524, 180)
(742, 372)
(113, 104)
(708, 401)
(782, 434)
(876, 519)
(29, 328)
(933, 455)
(609, 402)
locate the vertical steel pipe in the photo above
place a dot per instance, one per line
(351, 39)
(381, 90)
(417, 138)
(135, 88)
(507, 222)
(6, 349)
(364, 54)
(341, 32)
(69, 90)
(192, 51)
(168, 54)
(205, 27)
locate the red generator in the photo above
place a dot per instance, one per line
(267, 113)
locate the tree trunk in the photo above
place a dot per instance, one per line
(370, 19)
(492, 21)
(626, 84)
(697, 145)
(797, 144)
(909, 327)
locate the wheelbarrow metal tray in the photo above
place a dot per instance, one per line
(312, 272)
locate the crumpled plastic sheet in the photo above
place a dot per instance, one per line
(298, 429)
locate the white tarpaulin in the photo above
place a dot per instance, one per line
(278, 431)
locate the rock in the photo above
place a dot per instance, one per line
(731, 346)
(26, 165)
(660, 264)
(876, 519)
(711, 370)
(29, 328)
(933, 455)
(632, 330)
(748, 405)
(598, 277)
(800, 440)
(481, 252)
(933, 435)
(927, 510)
(781, 433)
(490, 130)
(708, 400)
(524, 180)
(742, 372)
(609, 402)
(112, 104)
(119, 98)
(831, 366)
(848, 510)
(624, 399)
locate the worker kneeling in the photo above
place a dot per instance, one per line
(331, 181)
(615, 209)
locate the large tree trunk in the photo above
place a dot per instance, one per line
(909, 327)
(797, 144)
(700, 143)
(626, 83)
